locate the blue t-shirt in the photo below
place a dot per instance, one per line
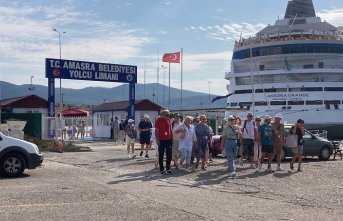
(266, 132)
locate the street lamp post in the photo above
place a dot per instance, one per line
(153, 94)
(209, 94)
(31, 87)
(62, 101)
(59, 42)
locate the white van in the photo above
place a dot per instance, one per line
(17, 155)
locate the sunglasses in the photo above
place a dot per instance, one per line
(231, 119)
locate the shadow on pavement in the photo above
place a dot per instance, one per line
(24, 175)
(145, 176)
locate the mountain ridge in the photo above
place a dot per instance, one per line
(98, 95)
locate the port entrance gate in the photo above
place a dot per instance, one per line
(91, 71)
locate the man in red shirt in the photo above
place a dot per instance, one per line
(163, 134)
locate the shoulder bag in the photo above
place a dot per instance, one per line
(291, 140)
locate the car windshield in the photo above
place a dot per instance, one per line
(307, 135)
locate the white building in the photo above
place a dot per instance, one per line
(103, 113)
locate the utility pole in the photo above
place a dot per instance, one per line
(209, 95)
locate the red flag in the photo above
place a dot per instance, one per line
(172, 57)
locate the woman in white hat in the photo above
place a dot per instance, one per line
(229, 139)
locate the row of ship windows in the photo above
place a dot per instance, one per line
(289, 49)
(295, 89)
(309, 102)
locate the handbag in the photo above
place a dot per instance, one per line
(181, 135)
(291, 140)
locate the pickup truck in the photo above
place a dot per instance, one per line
(17, 155)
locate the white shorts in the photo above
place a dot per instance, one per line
(130, 140)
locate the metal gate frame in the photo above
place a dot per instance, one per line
(70, 131)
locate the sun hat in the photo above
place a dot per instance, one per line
(267, 117)
(278, 116)
(231, 117)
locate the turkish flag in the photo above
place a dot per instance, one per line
(172, 57)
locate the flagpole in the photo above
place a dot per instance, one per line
(252, 82)
(169, 89)
(181, 77)
(158, 75)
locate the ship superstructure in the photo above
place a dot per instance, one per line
(294, 67)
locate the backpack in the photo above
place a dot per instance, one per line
(245, 124)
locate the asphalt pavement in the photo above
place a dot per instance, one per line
(104, 184)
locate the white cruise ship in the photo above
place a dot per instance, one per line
(294, 67)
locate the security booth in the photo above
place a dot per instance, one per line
(102, 114)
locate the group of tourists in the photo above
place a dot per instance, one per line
(74, 131)
(189, 140)
(145, 133)
(255, 141)
(180, 142)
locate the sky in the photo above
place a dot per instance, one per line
(136, 32)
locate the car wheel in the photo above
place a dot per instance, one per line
(324, 153)
(12, 165)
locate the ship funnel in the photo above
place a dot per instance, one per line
(300, 8)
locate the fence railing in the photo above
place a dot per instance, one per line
(67, 128)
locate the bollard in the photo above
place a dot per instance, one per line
(60, 147)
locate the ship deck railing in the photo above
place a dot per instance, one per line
(257, 40)
(293, 67)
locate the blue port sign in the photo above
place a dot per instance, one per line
(85, 70)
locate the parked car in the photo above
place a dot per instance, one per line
(216, 149)
(313, 146)
(17, 155)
